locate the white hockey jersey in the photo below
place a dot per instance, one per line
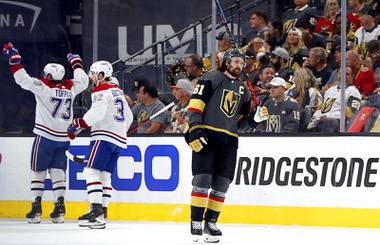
(109, 116)
(54, 102)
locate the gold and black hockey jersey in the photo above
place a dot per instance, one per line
(217, 102)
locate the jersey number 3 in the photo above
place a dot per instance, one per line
(58, 103)
(120, 110)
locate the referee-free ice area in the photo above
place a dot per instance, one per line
(167, 233)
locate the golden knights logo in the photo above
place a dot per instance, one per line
(230, 102)
(143, 115)
(274, 124)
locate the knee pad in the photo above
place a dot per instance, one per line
(202, 180)
(57, 174)
(38, 176)
(92, 175)
(220, 183)
(106, 178)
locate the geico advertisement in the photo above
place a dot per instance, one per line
(151, 169)
(308, 171)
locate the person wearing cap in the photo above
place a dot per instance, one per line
(148, 104)
(224, 44)
(259, 25)
(368, 30)
(281, 111)
(279, 58)
(178, 119)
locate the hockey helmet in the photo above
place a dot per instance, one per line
(232, 53)
(101, 66)
(57, 71)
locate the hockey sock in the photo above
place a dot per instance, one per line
(94, 185)
(198, 202)
(214, 205)
(37, 183)
(58, 178)
(107, 188)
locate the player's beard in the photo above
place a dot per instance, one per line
(235, 72)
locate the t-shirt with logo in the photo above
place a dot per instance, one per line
(142, 112)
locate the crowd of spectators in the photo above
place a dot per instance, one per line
(294, 64)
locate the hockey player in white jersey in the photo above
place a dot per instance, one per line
(54, 112)
(109, 118)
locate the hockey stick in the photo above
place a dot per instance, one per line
(234, 45)
(78, 159)
(134, 129)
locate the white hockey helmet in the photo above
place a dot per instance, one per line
(115, 81)
(101, 66)
(57, 71)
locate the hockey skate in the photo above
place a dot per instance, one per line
(196, 230)
(34, 216)
(94, 219)
(57, 216)
(212, 233)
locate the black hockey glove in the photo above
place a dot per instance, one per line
(196, 137)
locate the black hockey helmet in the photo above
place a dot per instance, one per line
(229, 54)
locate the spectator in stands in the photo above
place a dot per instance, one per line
(259, 26)
(317, 63)
(250, 65)
(179, 122)
(356, 7)
(310, 38)
(327, 118)
(279, 59)
(291, 16)
(194, 68)
(368, 30)
(274, 36)
(224, 44)
(374, 56)
(331, 48)
(148, 104)
(259, 49)
(296, 48)
(334, 75)
(325, 24)
(306, 92)
(281, 111)
(365, 79)
(262, 88)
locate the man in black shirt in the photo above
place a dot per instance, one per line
(317, 63)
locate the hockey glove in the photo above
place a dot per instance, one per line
(75, 61)
(12, 53)
(196, 138)
(74, 128)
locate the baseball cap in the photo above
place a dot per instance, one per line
(280, 52)
(184, 84)
(223, 36)
(278, 81)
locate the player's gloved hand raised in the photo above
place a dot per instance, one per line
(75, 60)
(12, 53)
(74, 128)
(196, 137)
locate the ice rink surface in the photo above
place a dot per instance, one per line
(166, 233)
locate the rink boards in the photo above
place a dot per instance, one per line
(317, 181)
